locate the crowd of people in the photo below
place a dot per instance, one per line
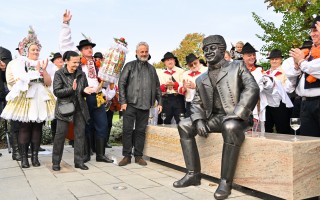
(228, 92)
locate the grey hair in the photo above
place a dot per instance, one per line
(142, 44)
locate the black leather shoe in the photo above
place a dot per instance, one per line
(223, 190)
(81, 166)
(191, 178)
(56, 167)
(41, 149)
(103, 159)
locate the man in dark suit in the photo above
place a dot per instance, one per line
(225, 97)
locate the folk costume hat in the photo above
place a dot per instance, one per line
(306, 44)
(98, 55)
(190, 58)
(84, 43)
(168, 55)
(317, 19)
(275, 53)
(5, 55)
(28, 41)
(248, 48)
(55, 56)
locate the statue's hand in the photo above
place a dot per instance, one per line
(228, 117)
(201, 128)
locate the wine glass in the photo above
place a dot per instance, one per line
(295, 125)
(163, 117)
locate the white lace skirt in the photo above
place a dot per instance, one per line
(37, 104)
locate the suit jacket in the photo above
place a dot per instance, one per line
(237, 88)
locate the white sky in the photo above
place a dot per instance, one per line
(161, 23)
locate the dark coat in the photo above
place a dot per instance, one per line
(62, 89)
(237, 88)
(129, 84)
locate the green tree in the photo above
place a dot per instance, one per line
(297, 17)
(191, 43)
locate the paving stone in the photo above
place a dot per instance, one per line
(116, 171)
(11, 172)
(148, 173)
(137, 181)
(98, 197)
(164, 193)
(102, 178)
(16, 188)
(83, 188)
(129, 193)
(67, 177)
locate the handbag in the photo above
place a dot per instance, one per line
(66, 109)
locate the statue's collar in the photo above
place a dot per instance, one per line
(218, 65)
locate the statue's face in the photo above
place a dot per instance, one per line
(212, 53)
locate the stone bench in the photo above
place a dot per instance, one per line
(275, 165)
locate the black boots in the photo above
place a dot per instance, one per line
(229, 161)
(192, 160)
(24, 155)
(34, 154)
(15, 147)
(191, 178)
(100, 151)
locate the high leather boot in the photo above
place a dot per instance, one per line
(15, 147)
(100, 151)
(192, 160)
(34, 154)
(229, 161)
(24, 155)
(107, 138)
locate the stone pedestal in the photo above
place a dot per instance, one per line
(274, 165)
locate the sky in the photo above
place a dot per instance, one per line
(161, 23)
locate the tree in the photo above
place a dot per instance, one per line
(192, 43)
(297, 18)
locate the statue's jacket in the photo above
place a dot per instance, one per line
(237, 88)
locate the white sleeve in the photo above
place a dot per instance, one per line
(288, 68)
(65, 39)
(311, 67)
(109, 94)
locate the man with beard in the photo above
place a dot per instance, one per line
(225, 97)
(139, 88)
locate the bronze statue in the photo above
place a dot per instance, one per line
(225, 97)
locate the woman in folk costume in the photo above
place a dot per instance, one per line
(30, 101)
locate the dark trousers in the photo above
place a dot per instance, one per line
(53, 128)
(98, 118)
(188, 111)
(310, 117)
(279, 117)
(134, 136)
(109, 117)
(173, 106)
(61, 132)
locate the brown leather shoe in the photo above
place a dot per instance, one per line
(125, 160)
(139, 160)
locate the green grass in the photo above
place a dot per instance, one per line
(115, 117)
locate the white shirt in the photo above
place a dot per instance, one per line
(311, 67)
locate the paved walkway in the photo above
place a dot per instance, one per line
(101, 181)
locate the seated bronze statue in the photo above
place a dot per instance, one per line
(225, 97)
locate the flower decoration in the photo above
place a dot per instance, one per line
(28, 41)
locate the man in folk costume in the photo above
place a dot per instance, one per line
(303, 72)
(249, 58)
(98, 118)
(224, 99)
(278, 110)
(170, 79)
(188, 88)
